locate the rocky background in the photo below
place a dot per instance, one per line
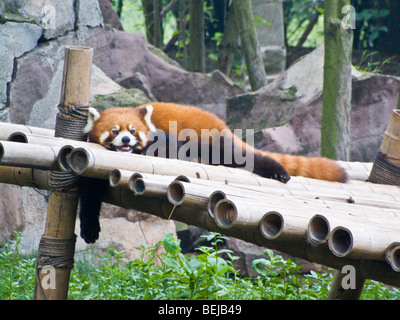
(128, 72)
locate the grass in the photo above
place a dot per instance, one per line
(179, 277)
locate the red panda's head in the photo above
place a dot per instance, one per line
(119, 129)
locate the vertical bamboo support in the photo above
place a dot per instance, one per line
(386, 168)
(57, 245)
(337, 292)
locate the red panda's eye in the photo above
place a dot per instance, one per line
(114, 132)
(133, 131)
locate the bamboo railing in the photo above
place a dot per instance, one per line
(335, 224)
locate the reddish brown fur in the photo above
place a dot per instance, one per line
(197, 119)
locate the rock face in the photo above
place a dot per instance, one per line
(287, 112)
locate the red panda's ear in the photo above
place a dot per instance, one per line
(93, 116)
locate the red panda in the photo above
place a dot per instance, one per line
(127, 130)
(134, 130)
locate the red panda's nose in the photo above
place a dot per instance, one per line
(125, 139)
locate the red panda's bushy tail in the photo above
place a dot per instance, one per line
(317, 168)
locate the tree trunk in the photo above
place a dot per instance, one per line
(250, 48)
(196, 29)
(158, 34)
(228, 44)
(336, 100)
(148, 11)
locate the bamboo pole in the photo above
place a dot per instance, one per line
(386, 165)
(63, 201)
(29, 156)
(43, 140)
(150, 188)
(369, 269)
(188, 194)
(8, 128)
(337, 291)
(361, 242)
(25, 177)
(289, 227)
(99, 164)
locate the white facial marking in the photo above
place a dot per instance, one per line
(147, 118)
(104, 136)
(143, 136)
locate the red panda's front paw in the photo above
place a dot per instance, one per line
(282, 177)
(90, 233)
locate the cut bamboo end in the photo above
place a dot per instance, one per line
(115, 178)
(341, 241)
(183, 178)
(133, 178)
(62, 157)
(213, 200)
(18, 137)
(78, 160)
(271, 225)
(139, 186)
(225, 214)
(318, 230)
(176, 193)
(392, 256)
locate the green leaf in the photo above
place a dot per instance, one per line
(171, 245)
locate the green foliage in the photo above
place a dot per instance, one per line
(369, 27)
(177, 276)
(367, 63)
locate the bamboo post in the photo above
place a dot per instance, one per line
(386, 168)
(337, 292)
(57, 246)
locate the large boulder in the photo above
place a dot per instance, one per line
(286, 113)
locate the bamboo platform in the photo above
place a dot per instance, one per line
(334, 224)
